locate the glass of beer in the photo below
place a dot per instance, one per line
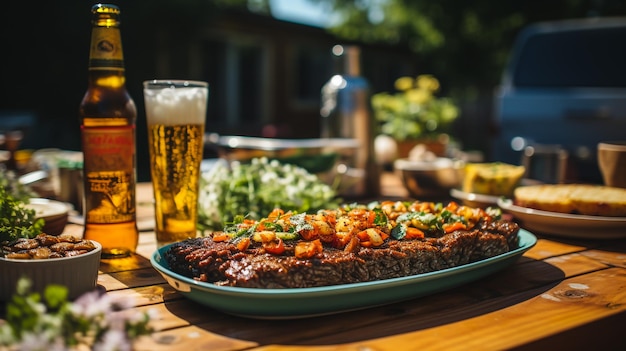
(175, 114)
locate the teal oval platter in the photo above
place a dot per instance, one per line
(308, 302)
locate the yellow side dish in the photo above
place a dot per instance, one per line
(495, 178)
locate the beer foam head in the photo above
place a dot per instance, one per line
(175, 104)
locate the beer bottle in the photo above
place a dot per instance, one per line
(107, 116)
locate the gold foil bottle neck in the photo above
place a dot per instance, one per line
(106, 42)
(105, 15)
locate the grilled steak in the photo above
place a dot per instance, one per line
(225, 263)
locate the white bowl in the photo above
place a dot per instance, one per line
(55, 214)
(78, 273)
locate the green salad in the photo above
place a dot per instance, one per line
(254, 189)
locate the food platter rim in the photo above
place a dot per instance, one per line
(463, 195)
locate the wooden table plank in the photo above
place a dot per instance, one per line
(573, 303)
(139, 277)
(575, 264)
(191, 338)
(548, 248)
(616, 259)
(149, 295)
(503, 290)
(124, 264)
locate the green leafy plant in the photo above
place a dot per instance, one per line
(414, 112)
(16, 220)
(51, 322)
(10, 183)
(255, 189)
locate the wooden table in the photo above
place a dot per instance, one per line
(562, 294)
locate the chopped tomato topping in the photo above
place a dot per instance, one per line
(452, 206)
(220, 236)
(246, 224)
(342, 239)
(353, 244)
(414, 233)
(330, 218)
(371, 217)
(351, 227)
(448, 228)
(310, 233)
(275, 214)
(274, 247)
(243, 244)
(372, 237)
(421, 207)
(267, 236)
(308, 249)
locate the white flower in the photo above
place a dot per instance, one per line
(91, 304)
(117, 321)
(111, 324)
(113, 340)
(40, 342)
(269, 177)
(6, 334)
(122, 303)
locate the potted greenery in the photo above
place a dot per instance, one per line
(414, 115)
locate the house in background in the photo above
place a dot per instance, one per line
(266, 75)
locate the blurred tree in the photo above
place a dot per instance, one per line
(464, 43)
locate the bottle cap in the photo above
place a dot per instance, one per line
(106, 15)
(105, 8)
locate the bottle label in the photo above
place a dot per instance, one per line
(109, 171)
(106, 49)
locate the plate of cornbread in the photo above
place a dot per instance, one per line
(484, 183)
(571, 210)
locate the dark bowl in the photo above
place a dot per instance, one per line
(426, 180)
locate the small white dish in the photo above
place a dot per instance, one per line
(55, 213)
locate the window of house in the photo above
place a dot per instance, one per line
(235, 72)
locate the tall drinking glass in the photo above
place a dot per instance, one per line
(175, 113)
